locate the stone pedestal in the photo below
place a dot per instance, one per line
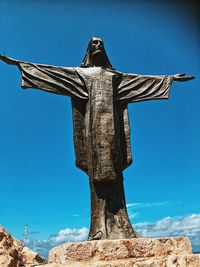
(138, 252)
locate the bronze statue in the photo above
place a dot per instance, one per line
(100, 96)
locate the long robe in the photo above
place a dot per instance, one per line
(100, 116)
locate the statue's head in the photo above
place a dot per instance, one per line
(96, 54)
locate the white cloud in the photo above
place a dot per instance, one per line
(188, 225)
(138, 205)
(63, 236)
(70, 235)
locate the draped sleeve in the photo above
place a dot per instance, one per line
(134, 87)
(53, 79)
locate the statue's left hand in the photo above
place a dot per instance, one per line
(181, 77)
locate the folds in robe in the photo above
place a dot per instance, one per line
(100, 116)
(53, 79)
(134, 88)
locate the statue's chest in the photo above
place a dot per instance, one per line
(100, 82)
(100, 90)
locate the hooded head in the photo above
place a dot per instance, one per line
(96, 55)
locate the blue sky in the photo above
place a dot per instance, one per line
(40, 185)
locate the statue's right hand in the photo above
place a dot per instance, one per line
(9, 60)
(181, 77)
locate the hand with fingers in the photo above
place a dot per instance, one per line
(181, 77)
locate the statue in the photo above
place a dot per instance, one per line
(100, 96)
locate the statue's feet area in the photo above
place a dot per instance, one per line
(102, 234)
(109, 217)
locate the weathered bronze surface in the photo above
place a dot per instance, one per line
(100, 96)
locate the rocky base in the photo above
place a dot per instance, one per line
(170, 261)
(138, 252)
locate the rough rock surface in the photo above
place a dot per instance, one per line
(140, 252)
(170, 261)
(14, 254)
(30, 258)
(10, 249)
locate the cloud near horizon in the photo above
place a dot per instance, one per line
(188, 225)
(63, 236)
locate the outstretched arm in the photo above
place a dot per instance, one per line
(9, 60)
(134, 87)
(52, 79)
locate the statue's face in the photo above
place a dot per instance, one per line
(96, 54)
(96, 46)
